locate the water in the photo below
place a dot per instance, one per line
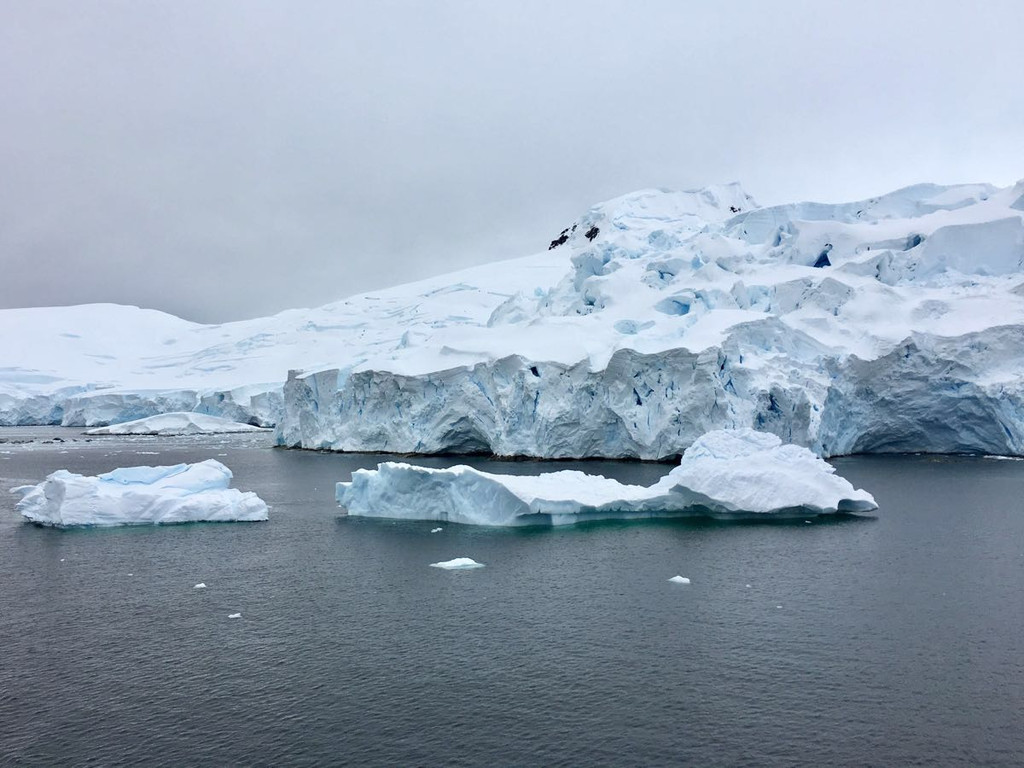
(897, 640)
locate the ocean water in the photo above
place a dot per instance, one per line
(896, 639)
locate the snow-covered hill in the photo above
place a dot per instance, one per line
(889, 324)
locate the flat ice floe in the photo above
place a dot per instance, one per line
(458, 564)
(724, 474)
(182, 493)
(176, 423)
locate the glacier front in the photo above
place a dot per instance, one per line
(890, 324)
(724, 474)
(181, 493)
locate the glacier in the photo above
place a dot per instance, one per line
(724, 474)
(890, 324)
(180, 493)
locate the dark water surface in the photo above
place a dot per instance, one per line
(894, 641)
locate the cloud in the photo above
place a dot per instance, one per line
(226, 160)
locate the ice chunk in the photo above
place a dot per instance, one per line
(459, 563)
(200, 585)
(177, 423)
(140, 495)
(234, 615)
(436, 530)
(724, 474)
(679, 580)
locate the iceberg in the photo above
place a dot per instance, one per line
(181, 493)
(175, 423)
(725, 474)
(679, 580)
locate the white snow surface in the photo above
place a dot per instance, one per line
(683, 312)
(724, 474)
(175, 423)
(181, 493)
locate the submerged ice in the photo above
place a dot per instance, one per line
(725, 474)
(140, 495)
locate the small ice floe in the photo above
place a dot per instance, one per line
(62, 559)
(778, 606)
(679, 580)
(436, 530)
(200, 585)
(234, 615)
(748, 586)
(459, 563)
(177, 423)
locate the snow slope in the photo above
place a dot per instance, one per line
(138, 496)
(724, 474)
(658, 316)
(100, 364)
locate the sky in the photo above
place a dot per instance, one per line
(226, 160)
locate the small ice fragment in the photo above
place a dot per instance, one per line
(778, 606)
(748, 586)
(238, 615)
(457, 564)
(131, 574)
(808, 522)
(679, 580)
(62, 559)
(436, 530)
(200, 585)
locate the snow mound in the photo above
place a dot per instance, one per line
(724, 474)
(176, 423)
(679, 580)
(182, 493)
(458, 564)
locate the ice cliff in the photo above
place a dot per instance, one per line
(889, 324)
(723, 474)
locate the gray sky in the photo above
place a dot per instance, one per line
(223, 160)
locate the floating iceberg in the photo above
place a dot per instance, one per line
(176, 423)
(679, 580)
(458, 564)
(182, 493)
(724, 474)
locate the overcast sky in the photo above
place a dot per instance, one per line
(224, 160)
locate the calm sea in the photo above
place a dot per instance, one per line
(894, 640)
